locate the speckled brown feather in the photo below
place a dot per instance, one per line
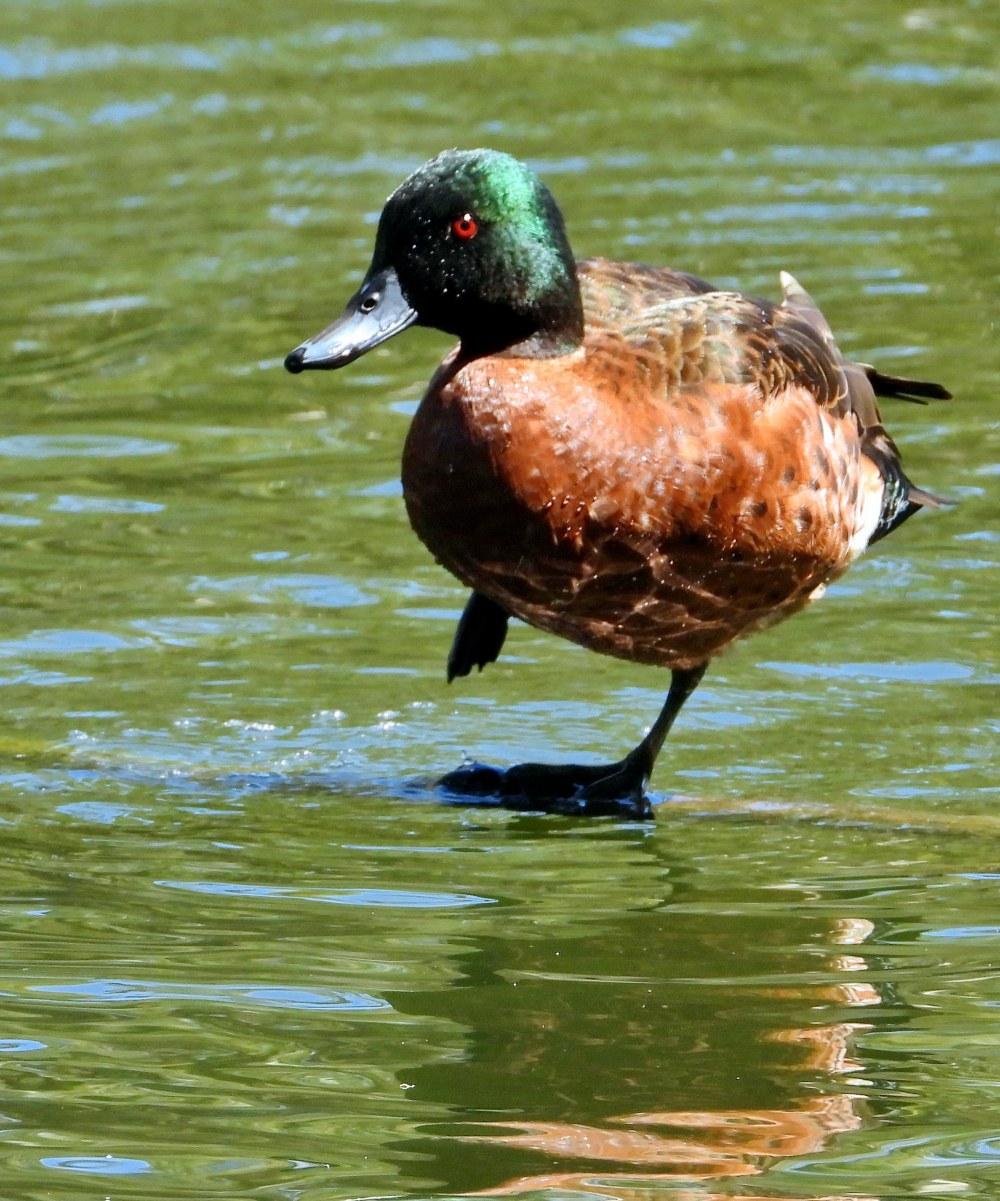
(694, 471)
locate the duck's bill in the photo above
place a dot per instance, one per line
(373, 314)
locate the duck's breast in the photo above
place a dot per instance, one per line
(602, 495)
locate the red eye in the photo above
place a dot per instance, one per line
(465, 227)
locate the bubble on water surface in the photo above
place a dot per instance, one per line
(51, 446)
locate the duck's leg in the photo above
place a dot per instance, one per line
(479, 637)
(611, 788)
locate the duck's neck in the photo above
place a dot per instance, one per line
(548, 326)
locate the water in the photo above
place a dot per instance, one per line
(245, 953)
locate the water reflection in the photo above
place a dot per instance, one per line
(723, 1143)
(641, 1187)
(731, 1141)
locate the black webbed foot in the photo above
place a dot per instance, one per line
(575, 790)
(479, 637)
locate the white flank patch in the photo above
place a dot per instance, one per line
(868, 513)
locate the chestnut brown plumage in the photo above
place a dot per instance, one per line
(628, 457)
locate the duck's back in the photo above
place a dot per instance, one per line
(616, 295)
(698, 468)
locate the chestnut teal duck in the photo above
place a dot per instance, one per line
(623, 455)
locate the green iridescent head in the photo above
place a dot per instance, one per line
(479, 247)
(472, 244)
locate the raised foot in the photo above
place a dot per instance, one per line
(612, 789)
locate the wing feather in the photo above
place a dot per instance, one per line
(719, 337)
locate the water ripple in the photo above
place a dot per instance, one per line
(103, 504)
(916, 673)
(318, 591)
(49, 446)
(97, 1165)
(69, 642)
(365, 898)
(266, 996)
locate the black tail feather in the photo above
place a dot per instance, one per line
(897, 387)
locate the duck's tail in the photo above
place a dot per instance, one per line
(898, 387)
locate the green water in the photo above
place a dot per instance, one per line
(245, 953)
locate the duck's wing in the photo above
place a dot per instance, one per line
(897, 387)
(617, 294)
(709, 337)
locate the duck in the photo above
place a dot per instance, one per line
(623, 455)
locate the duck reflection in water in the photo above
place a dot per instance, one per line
(723, 1143)
(625, 456)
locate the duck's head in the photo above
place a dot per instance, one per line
(473, 244)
